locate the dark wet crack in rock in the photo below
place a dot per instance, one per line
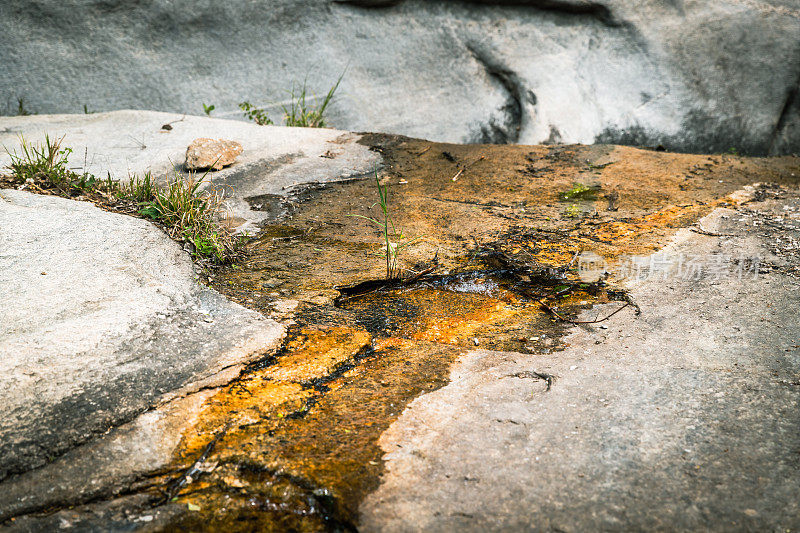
(517, 112)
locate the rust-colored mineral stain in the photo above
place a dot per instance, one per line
(316, 354)
(431, 314)
(278, 390)
(295, 438)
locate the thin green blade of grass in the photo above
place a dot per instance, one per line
(391, 250)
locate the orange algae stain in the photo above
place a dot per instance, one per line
(387, 343)
(272, 393)
(435, 314)
(616, 238)
(289, 434)
(253, 400)
(649, 232)
(447, 328)
(316, 353)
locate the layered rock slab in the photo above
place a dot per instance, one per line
(275, 160)
(697, 76)
(103, 320)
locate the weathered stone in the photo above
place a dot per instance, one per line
(102, 319)
(696, 76)
(204, 154)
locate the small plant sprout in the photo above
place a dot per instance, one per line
(394, 241)
(208, 109)
(572, 211)
(302, 114)
(256, 114)
(579, 191)
(299, 113)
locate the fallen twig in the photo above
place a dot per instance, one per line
(168, 126)
(392, 282)
(564, 319)
(419, 275)
(548, 378)
(423, 151)
(188, 475)
(481, 158)
(465, 167)
(702, 231)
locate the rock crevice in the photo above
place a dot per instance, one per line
(790, 112)
(521, 101)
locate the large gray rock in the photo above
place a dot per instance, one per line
(102, 319)
(683, 419)
(692, 75)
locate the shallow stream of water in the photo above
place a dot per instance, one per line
(295, 438)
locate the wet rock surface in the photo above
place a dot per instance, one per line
(684, 418)
(307, 437)
(697, 76)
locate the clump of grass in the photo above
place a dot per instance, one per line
(188, 213)
(579, 191)
(21, 110)
(300, 112)
(139, 189)
(45, 163)
(256, 114)
(394, 241)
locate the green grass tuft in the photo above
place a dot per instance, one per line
(45, 163)
(299, 113)
(190, 215)
(302, 114)
(139, 189)
(187, 213)
(21, 111)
